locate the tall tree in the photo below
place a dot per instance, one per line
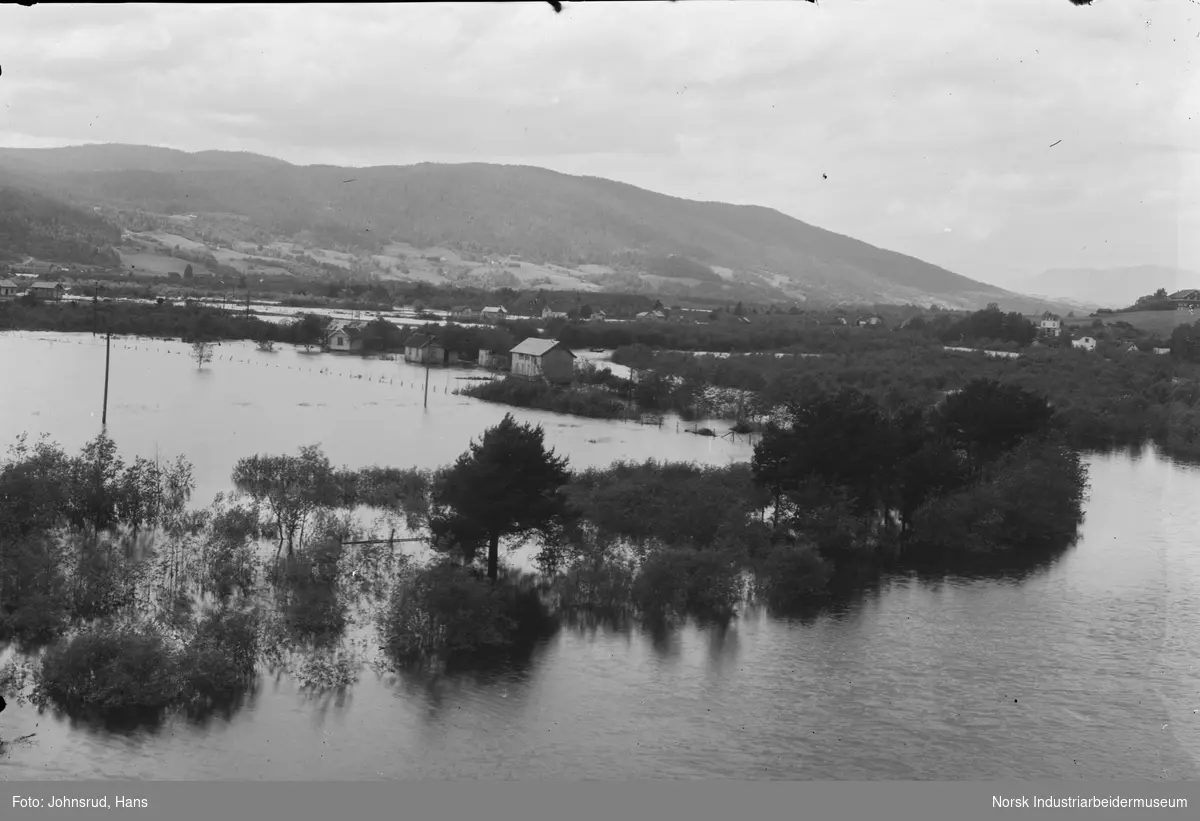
(843, 440)
(987, 418)
(504, 486)
(308, 330)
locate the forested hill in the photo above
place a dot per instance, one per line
(539, 215)
(33, 225)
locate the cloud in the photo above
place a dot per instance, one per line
(891, 122)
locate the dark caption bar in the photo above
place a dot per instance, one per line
(693, 801)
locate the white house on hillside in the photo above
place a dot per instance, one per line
(1051, 325)
(1085, 343)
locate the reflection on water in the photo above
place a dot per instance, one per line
(1080, 666)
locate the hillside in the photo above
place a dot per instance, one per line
(593, 232)
(33, 225)
(1109, 287)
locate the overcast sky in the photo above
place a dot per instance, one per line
(932, 119)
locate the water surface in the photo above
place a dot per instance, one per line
(1083, 667)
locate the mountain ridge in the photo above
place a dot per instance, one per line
(550, 218)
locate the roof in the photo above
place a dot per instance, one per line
(539, 347)
(7, 283)
(501, 309)
(44, 285)
(1190, 293)
(458, 309)
(420, 341)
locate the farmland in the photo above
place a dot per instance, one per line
(1161, 323)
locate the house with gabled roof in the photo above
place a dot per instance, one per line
(8, 289)
(1185, 300)
(547, 359)
(493, 314)
(345, 335)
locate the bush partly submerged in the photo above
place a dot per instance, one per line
(445, 610)
(677, 582)
(111, 670)
(596, 403)
(791, 576)
(1031, 498)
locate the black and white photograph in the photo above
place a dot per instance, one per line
(758, 390)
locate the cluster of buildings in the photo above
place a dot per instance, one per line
(1050, 326)
(534, 359)
(40, 290)
(490, 315)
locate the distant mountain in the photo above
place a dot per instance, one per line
(636, 236)
(34, 225)
(1108, 287)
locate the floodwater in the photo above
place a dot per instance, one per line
(1084, 667)
(361, 411)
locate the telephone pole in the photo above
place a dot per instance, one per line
(95, 306)
(427, 380)
(107, 354)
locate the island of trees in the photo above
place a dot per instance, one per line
(124, 600)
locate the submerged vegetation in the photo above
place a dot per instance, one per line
(578, 400)
(123, 599)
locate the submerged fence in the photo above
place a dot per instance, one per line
(335, 366)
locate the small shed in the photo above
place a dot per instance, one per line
(423, 349)
(493, 314)
(546, 359)
(48, 291)
(494, 360)
(8, 289)
(464, 313)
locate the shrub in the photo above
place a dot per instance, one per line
(598, 577)
(308, 582)
(1031, 498)
(673, 583)
(40, 619)
(444, 609)
(791, 576)
(220, 661)
(595, 403)
(109, 669)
